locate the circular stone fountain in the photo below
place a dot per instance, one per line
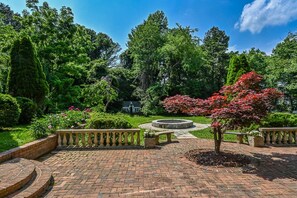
(173, 124)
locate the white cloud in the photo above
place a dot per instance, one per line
(232, 48)
(261, 13)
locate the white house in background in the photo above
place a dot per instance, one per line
(131, 107)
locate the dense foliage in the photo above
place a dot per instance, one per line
(87, 69)
(9, 111)
(280, 120)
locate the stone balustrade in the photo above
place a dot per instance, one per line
(279, 135)
(98, 137)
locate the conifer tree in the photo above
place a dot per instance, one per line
(237, 67)
(26, 77)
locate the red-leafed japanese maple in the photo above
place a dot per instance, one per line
(235, 106)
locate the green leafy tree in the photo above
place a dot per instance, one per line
(258, 60)
(282, 71)
(182, 62)
(215, 45)
(99, 95)
(144, 44)
(26, 77)
(7, 37)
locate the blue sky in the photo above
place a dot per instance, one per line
(249, 23)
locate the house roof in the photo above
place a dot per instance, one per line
(135, 103)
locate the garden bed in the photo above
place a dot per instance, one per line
(224, 159)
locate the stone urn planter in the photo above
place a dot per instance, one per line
(149, 139)
(256, 141)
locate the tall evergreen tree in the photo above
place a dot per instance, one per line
(237, 67)
(26, 77)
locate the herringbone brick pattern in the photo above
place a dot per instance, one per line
(165, 172)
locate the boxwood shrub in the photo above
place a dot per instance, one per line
(9, 111)
(28, 110)
(107, 121)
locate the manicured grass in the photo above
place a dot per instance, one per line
(207, 134)
(14, 137)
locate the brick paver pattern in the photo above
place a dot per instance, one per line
(165, 172)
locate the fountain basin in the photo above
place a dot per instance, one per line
(172, 123)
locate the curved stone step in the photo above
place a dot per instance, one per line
(14, 174)
(40, 183)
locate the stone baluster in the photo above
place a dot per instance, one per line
(126, 138)
(107, 139)
(113, 139)
(285, 137)
(59, 139)
(90, 143)
(70, 139)
(279, 137)
(267, 137)
(95, 138)
(64, 140)
(132, 138)
(138, 138)
(77, 139)
(273, 137)
(120, 139)
(101, 139)
(83, 138)
(290, 137)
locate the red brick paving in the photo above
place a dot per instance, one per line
(165, 172)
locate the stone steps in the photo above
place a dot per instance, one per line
(23, 178)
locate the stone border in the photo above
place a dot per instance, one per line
(31, 150)
(168, 124)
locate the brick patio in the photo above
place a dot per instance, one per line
(164, 172)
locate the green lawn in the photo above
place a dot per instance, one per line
(14, 137)
(207, 134)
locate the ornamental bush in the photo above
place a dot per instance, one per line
(73, 118)
(107, 121)
(28, 110)
(9, 111)
(280, 120)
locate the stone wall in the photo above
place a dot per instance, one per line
(31, 150)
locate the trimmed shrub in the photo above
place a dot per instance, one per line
(9, 111)
(28, 108)
(280, 120)
(107, 121)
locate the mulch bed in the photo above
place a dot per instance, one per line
(210, 158)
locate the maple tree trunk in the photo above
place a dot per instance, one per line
(217, 140)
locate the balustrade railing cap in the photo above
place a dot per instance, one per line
(278, 128)
(98, 130)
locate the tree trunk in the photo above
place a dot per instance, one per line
(217, 140)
